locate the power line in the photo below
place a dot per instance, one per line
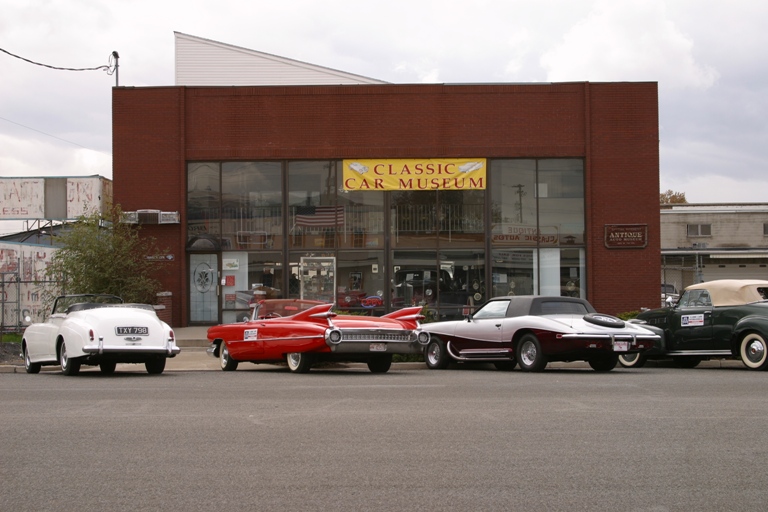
(53, 136)
(108, 68)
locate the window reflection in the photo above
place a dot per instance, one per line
(316, 220)
(364, 211)
(203, 201)
(252, 207)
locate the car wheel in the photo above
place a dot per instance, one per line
(227, 363)
(155, 366)
(505, 366)
(69, 366)
(686, 361)
(107, 368)
(298, 362)
(604, 365)
(380, 364)
(754, 353)
(29, 366)
(635, 360)
(529, 354)
(604, 320)
(436, 355)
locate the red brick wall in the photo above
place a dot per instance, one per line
(623, 188)
(614, 126)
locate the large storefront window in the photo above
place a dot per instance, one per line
(316, 221)
(561, 199)
(361, 282)
(248, 277)
(364, 215)
(204, 205)
(538, 272)
(312, 276)
(251, 205)
(537, 233)
(373, 251)
(453, 218)
(448, 283)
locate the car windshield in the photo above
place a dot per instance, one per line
(69, 303)
(287, 307)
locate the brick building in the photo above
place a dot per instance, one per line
(296, 180)
(567, 203)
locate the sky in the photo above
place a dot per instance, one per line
(710, 59)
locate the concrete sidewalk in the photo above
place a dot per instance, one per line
(191, 336)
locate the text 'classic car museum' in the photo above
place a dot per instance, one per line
(378, 196)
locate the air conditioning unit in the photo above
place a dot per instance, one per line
(169, 218)
(130, 218)
(149, 216)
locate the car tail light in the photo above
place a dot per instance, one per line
(171, 336)
(91, 335)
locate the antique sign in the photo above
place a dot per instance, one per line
(626, 236)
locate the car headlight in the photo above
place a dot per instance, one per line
(334, 336)
(423, 337)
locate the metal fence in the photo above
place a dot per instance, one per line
(680, 271)
(10, 302)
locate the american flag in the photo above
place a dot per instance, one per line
(321, 216)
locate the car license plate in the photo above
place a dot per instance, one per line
(132, 331)
(378, 347)
(620, 346)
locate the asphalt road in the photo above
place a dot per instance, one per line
(653, 439)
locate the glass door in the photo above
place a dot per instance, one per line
(204, 289)
(318, 278)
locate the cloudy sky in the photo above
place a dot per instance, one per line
(709, 58)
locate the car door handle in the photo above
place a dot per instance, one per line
(498, 326)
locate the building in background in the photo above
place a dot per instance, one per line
(43, 205)
(703, 242)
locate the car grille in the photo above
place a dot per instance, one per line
(373, 335)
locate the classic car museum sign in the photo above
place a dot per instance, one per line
(415, 174)
(626, 236)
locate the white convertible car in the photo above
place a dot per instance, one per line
(98, 330)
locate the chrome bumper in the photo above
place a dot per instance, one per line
(170, 349)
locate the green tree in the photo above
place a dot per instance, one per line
(672, 197)
(100, 254)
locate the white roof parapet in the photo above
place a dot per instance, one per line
(204, 62)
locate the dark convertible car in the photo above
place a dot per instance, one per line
(717, 319)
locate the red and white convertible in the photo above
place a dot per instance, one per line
(533, 330)
(303, 332)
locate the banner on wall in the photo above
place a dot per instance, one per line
(415, 174)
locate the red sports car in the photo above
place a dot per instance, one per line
(303, 332)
